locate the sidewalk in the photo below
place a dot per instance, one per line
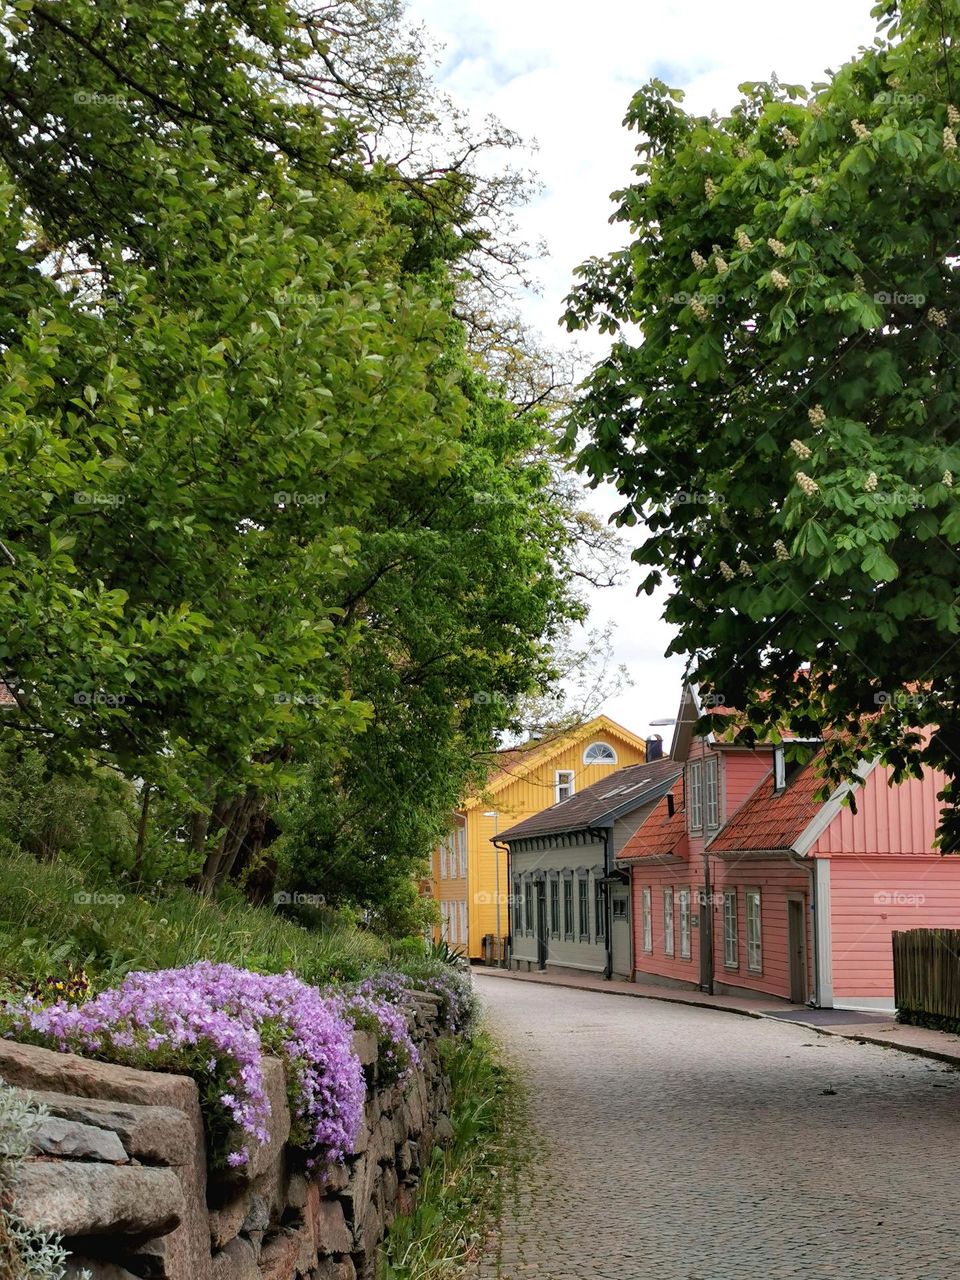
(869, 1029)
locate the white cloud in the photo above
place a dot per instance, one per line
(563, 74)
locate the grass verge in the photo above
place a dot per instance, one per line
(57, 917)
(464, 1187)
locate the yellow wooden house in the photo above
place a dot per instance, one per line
(469, 878)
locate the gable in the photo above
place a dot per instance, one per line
(900, 819)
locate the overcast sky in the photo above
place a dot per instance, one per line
(563, 75)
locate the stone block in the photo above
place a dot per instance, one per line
(77, 1199)
(151, 1134)
(331, 1233)
(73, 1140)
(280, 1253)
(365, 1047)
(236, 1262)
(96, 1270)
(333, 1269)
(227, 1219)
(30, 1067)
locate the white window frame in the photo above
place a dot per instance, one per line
(695, 787)
(754, 915)
(779, 769)
(445, 921)
(564, 779)
(731, 930)
(606, 747)
(462, 912)
(686, 928)
(711, 790)
(668, 927)
(646, 918)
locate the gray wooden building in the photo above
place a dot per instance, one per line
(569, 904)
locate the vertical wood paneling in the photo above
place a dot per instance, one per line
(889, 820)
(871, 897)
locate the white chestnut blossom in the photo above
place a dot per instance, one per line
(743, 241)
(726, 572)
(817, 415)
(779, 280)
(871, 482)
(698, 309)
(709, 188)
(803, 451)
(949, 139)
(807, 484)
(937, 317)
(778, 247)
(947, 479)
(861, 130)
(745, 569)
(953, 115)
(790, 138)
(780, 550)
(699, 261)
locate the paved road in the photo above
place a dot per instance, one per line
(687, 1144)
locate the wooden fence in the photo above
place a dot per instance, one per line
(926, 971)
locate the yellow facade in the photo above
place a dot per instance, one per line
(526, 785)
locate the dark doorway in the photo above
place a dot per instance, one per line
(541, 925)
(796, 941)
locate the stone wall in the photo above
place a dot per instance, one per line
(120, 1170)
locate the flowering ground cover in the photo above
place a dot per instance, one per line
(217, 1021)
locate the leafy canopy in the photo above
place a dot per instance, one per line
(779, 407)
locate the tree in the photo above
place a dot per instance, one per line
(786, 426)
(241, 435)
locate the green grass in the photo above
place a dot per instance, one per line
(44, 930)
(463, 1189)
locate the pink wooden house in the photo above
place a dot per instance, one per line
(802, 896)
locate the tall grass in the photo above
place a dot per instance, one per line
(460, 1200)
(51, 917)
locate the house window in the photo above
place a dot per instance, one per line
(695, 787)
(555, 908)
(568, 907)
(599, 753)
(528, 906)
(712, 789)
(462, 910)
(583, 902)
(445, 921)
(647, 919)
(754, 931)
(779, 769)
(668, 922)
(462, 850)
(619, 908)
(564, 780)
(517, 907)
(599, 911)
(731, 943)
(683, 898)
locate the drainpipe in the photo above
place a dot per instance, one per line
(707, 929)
(809, 865)
(502, 958)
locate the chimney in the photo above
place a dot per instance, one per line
(654, 748)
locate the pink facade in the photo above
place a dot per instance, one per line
(826, 886)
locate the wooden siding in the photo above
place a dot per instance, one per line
(873, 896)
(889, 820)
(742, 773)
(564, 952)
(774, 877)
(520, 799)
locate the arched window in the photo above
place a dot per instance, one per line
(599, 753)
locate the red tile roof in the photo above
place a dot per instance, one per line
(771, 821)
(659, 834)
(6, 697)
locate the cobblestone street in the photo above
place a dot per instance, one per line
(688, 1144)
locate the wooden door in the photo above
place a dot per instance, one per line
(796, 941)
